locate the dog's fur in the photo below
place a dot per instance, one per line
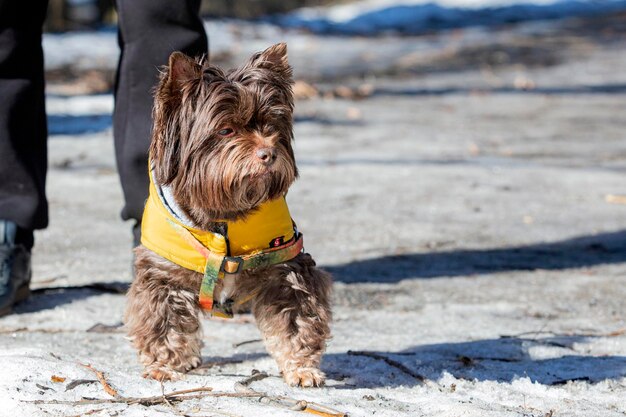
(222, 142)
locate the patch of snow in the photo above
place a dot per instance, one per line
(99, 49)
(369, 17)
(80, 105)
(83, 50)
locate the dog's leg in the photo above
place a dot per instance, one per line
(292, 310)
(162, 318)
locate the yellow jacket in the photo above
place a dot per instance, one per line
(268, 227)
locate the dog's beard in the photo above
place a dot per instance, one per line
(227, 184)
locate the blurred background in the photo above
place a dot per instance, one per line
(385, 84)
(341, 47)
(87, 14)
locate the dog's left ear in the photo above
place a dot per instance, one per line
(180, 69)
(274, 58)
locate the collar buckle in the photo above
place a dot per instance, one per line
(231, 265)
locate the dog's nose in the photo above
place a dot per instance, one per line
(266, 155)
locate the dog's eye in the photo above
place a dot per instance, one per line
(226, 132)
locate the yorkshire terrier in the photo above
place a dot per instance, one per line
(221, 162)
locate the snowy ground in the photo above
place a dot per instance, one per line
(466, 207)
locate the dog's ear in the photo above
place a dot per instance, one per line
(165, 144)
(166, 131)
(180, 69)
(274, 58)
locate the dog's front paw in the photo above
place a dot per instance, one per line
(163, 373)
(304, 377)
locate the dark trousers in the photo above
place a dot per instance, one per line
(149, 30)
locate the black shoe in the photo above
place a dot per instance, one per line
(15, 271)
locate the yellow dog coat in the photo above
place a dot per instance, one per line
(265, 237)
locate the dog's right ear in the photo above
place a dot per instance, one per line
(166, 131)
(180, 69)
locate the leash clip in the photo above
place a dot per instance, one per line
(231, 265)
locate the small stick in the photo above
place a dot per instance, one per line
(107, 388)
(320, 410)
(615, 199)
(246, 342)
(389, 362)
(87, 413)
(311, 408)
(160, 399)
(616, 332)
(534, 332)
(27, 330)
(173, 396)
(256, 376)
(78, 382)
(164, 398)
(183, 392)
(284, 402)
(208, 365)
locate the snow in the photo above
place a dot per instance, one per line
(83, 50)
(369, 17)
(464, 221)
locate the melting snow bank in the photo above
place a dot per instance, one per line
(369, 17)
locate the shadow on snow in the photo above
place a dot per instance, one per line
(502, 360)
(579, 252)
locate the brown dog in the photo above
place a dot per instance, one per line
(221, 149)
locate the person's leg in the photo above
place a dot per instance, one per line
(149, 31)
(23, 152)
(23, 130)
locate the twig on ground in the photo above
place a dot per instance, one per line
(106, 328)
(389, 362)
(27, 330)
(155, 400)
(534, 332)
(78, 382)
(4, 330)
(255, 376)
(165, 398)
(284, 402)
(615, 199)
(308, 407)
(616, 332)
(88, 413)
(242, 390)
(208, 365)
(246, 342)
(107, 388)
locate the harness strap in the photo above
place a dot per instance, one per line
(217, 266)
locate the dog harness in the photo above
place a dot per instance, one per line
(266, 237)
